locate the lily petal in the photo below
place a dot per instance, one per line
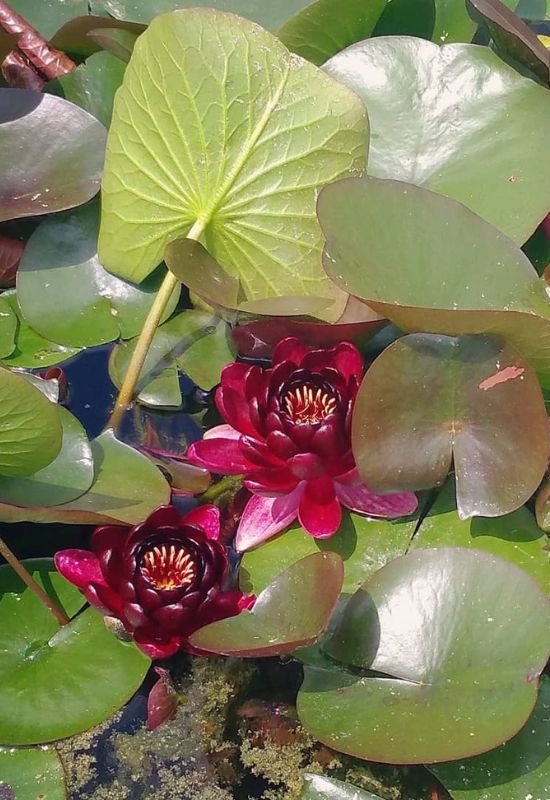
(206, 517)
(222, 456)
(358, 497)
(320, 513)
(79, 567)
(263, 517)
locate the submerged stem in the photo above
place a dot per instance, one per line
(128, 388)
(28, 579)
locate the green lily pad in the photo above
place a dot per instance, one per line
(423, 621)
(430, 399)
(118, 41)
(31, 351)
(49, 15)
(432, 128)
(319, 787)
(447, 271)
(67, 477)
(196, 342)
(519, 768)
(246, 189)
(364, 545)
(67, 296)
(77, 675)
(92, 85)
(74, 36)
(31, 774)
(30, 427)
(291, 612)
(8, 328)
(62, 161)
(127, 488)
(515, 536)
(44, 573)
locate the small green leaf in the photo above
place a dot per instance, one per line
(92, 85)
(291, 612)
(65, 293)
(319, 787)
(31, 774)
(30, 427)
(61, 680)
(423, 623)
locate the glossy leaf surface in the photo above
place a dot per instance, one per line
(30, 427)
(65, 293)
(265, 130)
(433, 128)
(319, 787)
(428, 400)
(520, 768)
(31, 774)
(515, 537)
(8, 328)
(447, 272)
(47, 670)
(92, 85)
(292, 611)
(424, 621)
(62, 161)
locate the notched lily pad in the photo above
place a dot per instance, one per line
(291, 612)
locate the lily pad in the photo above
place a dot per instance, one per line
(291, 612)
(319, 787)
(519, 768)
(432, 128)
(195, 342)
(30, 427)
(447, 271)
(263, 133)
(127, 488)
(61, 261)
(423, 621)
(515, 536)
(62, 161)
(364, 545)
(78, 674)
(49, 15)
(74, 36)
(118, 41)
(67, 477)
(92, 85)
(31, 774)
(8, 328)
(32, 351)
(429, 399)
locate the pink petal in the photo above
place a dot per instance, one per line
(306, 466)
(289, 349)
(233, 406)
(320, 513)
(263, 517)
(79, 567)
(271, 481)
(348, 361)
(157, 650)
(358, 497)
(223, 456)
(206, 517)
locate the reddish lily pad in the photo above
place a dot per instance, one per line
(62, 161)
(423, 622)
(291, 612)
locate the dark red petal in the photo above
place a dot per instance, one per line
(278, 481)
(279, 375)
(135, 615)
(79, 567)
(348, 361)
(273, 422)
(173, 617)
(306, 466)
(156, 649)
(301, 435)
(234, 375)
(108, 537)
(207, 518)
(105, 600)
(280, 444)
(258, 453)
(233, 407)
(329, 440)
(319, 512)
(289, 349)
(223, 456)
(163, 516)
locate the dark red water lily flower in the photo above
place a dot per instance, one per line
(164, 578)
(288, 432)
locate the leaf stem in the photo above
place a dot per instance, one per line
(128, 388)
(28, 579)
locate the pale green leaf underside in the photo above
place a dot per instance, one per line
(216, 123)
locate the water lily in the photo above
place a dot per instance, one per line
(163, 579)
(288, 432)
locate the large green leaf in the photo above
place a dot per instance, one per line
(31, 351)
(30, 427)
(433, 128)
(364, 545)
(49, 15)
(62, 680)
(92, 85)
(518, 769)
(31, 774)
(291, 612)
(515, 536)
(219, 129)
(319, 787)
(429, 264)
(8, 328)
(428, 400)
(62, 161)
(65, 293)
(195, 342)
(424, 622)
(127, 488)
(67, 477)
